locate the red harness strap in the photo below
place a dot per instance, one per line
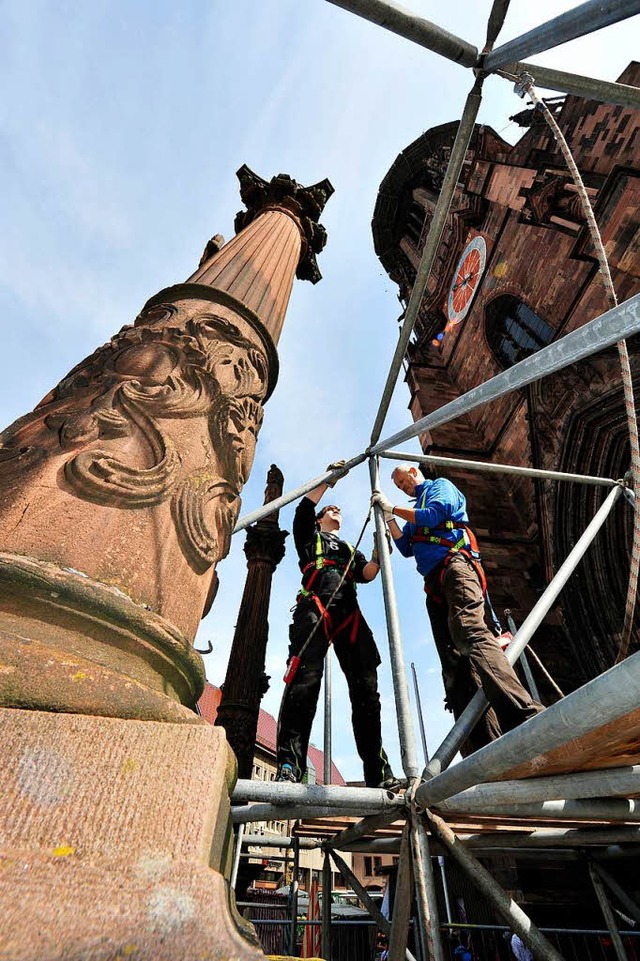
(433, 583)
(354, 619)
(315, 570)
(326, 617)
(330, 631)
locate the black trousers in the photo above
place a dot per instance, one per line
(472, 658)
(359, 660)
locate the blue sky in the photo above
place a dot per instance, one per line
(121, 128)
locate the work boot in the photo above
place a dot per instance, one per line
(286, 773)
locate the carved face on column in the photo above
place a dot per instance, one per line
(168, 411)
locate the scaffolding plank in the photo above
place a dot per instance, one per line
(616, 744)
(595, 727)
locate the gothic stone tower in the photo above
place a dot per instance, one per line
(516, 219)
(118, 496)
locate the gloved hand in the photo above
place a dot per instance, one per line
(375, 557)
(335, 466)
(383, 501)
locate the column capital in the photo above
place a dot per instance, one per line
(265, 543)
(303, 204)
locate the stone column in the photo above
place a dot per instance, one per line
(246, 681)
(118, 496)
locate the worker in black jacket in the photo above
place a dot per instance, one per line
(323, 559)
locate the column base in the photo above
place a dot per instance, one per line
(72, 644)
(115, 838)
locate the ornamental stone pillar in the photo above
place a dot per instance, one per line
(118, 496)
(246, 681)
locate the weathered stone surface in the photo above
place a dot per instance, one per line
(113, 834)
(118, 497)
(129, 473)
(138, 457)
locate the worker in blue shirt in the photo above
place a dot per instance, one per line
(438, 536)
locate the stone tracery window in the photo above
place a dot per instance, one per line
(415, 222)
(514, 330)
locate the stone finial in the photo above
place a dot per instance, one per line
(303, 204)
(212, 247)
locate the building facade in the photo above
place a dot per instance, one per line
(269, 869)
(516, 270)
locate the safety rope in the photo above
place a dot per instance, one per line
(544, 671)
(525, 84)
(320, 620)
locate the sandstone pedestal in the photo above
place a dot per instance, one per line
(113, 836)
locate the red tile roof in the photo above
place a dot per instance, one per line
(267, 732)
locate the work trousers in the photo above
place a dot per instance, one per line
(472, 658)
(359, 660)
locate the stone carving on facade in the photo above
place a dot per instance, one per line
(550, 197)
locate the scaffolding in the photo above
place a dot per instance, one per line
(570, 766)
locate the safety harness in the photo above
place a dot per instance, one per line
(465, 546)
(313, 568)
(305, 593)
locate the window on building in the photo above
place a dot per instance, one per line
(368, 869)
(415, 223)
(514, 331)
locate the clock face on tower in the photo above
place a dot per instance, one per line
(466, 279)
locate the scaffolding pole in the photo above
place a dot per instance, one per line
(582, 20)
(506, 907)
(391, 846)
(476, 707)
(490, 467)
(277, 841)
(426, 898)
(307, 795)
(556, 789)
(604, 331)
(327, 717)
(604, 91)
(326, 908)
(605, 907)
(423, 735)
(562, 809)
(368, 825)
(400, 689)
(236, 857)
(627, 903)
(551, 838)
(406, 24)
(440, 214)
(293, 812)
(608, 698)
(363, 894)
(293, 895)
(329, 475)
(401, 911)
